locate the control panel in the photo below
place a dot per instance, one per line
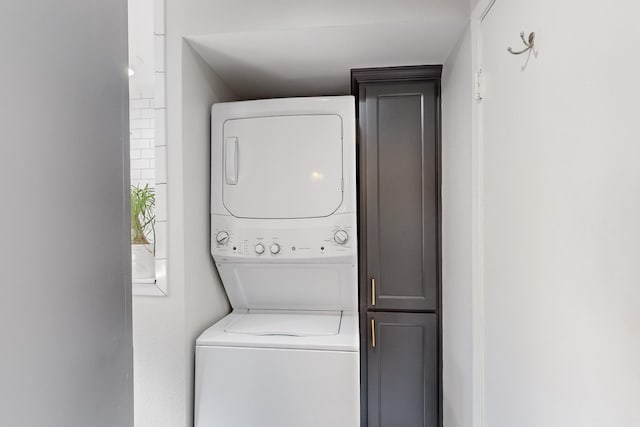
(325, 239)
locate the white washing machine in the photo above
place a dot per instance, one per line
(283, 228)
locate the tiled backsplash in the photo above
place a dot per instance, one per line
(141, 122)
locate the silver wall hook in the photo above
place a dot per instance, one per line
(528, 43)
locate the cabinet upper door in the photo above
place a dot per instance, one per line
(283, 166)
(400, 152)
(402, 370)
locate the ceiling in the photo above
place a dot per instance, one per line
(309, 50)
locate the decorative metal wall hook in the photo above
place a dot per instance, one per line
(528, 43)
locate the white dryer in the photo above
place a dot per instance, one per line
(283, 228)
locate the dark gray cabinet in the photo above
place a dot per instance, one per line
(399, 136)
(402, 369)
(399, 253)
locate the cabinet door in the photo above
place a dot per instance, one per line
(402, 370)
(399, 136)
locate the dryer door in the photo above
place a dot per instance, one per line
(283, 166)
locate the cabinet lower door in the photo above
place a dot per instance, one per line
(402, 370)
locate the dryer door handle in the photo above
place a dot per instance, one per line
(231, 160)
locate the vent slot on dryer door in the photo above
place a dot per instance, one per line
(283, 166)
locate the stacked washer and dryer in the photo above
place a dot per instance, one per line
(283, 226)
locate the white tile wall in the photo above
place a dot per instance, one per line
(141, 122)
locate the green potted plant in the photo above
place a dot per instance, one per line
(143, 217)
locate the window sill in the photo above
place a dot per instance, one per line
(152, 287)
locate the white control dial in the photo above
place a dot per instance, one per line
(259, 248)
(341, 237)
(222, 237)
(274, 248)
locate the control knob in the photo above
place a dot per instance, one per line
(341, 237)
(222, 237)
(274, 248)
(259, 248)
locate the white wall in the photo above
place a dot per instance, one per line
(165, 328)
(205, 299)
(456, 235)
(65, 307)
(141, 57)
(562, 215)
(141, 124)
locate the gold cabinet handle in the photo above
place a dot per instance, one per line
(373, 291)
(373, 333)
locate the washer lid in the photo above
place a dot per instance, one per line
(297, 324)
